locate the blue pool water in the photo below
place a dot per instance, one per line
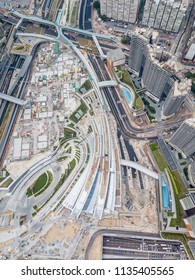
(165, 195)
(127, 94)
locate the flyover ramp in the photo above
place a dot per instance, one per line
(98, 47)
(139, 167)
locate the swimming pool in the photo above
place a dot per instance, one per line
(165, 195)
(127, 94)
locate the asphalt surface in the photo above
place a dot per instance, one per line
(17, 91)
(85, 17)
(113, 100)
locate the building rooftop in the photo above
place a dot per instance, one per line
(187, 203)
(182, 88)
(191, 221)
(191, 52)
(117, 54)
(191, 122)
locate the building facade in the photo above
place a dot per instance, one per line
(155, 79)
(183, 139)
(120, 10)
(164, 14)
(176, 98)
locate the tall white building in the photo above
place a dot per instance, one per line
(164, 14)
(124, 10)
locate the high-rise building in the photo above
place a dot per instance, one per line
(183, 139)
(155, 79)
(176, 98)
(164, 14)
(120, 10)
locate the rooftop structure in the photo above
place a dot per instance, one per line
(142, 61)
(120, 9)
(183, 139)
(191, 173)
(115, 58)
(190, 55)
(190, 224)
(164, 14)
(188, 204)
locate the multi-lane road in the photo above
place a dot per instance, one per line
(85, 17)
(118, 111)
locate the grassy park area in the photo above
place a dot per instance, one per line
(79, 112)
(41, 184)
(126, 79)
(180, 237)
(74, 13)
(179, 187)
(86, 86)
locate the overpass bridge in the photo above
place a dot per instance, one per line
(139, 167)
(61, 27)
(13, 99)
(99, 47)
(111, 83)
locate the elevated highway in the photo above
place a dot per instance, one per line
(99, 47)
(63, 27)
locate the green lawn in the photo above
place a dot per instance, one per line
(150, 108)
(73, 15)
(82, 108)
(54, 9)
(40, 185)
(69, 133)
(6, 175)
(64, 176)
(191, 76)
(86, 86)
(158, 156)
(6, 183)
(179, 187)
(183, 163)
(62, 158)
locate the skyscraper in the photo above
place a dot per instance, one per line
(183, 139)
(120, 10)
(157, 76)
(155, 79)
(176, 98)
(164, 14)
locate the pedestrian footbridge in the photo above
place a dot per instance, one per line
(139, 167)
(111, 83)
(13, 99)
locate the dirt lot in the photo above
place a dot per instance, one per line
(58, 233)
(96, 249)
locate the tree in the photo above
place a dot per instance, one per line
(96, 5)
(193, 87)
(126, 40)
